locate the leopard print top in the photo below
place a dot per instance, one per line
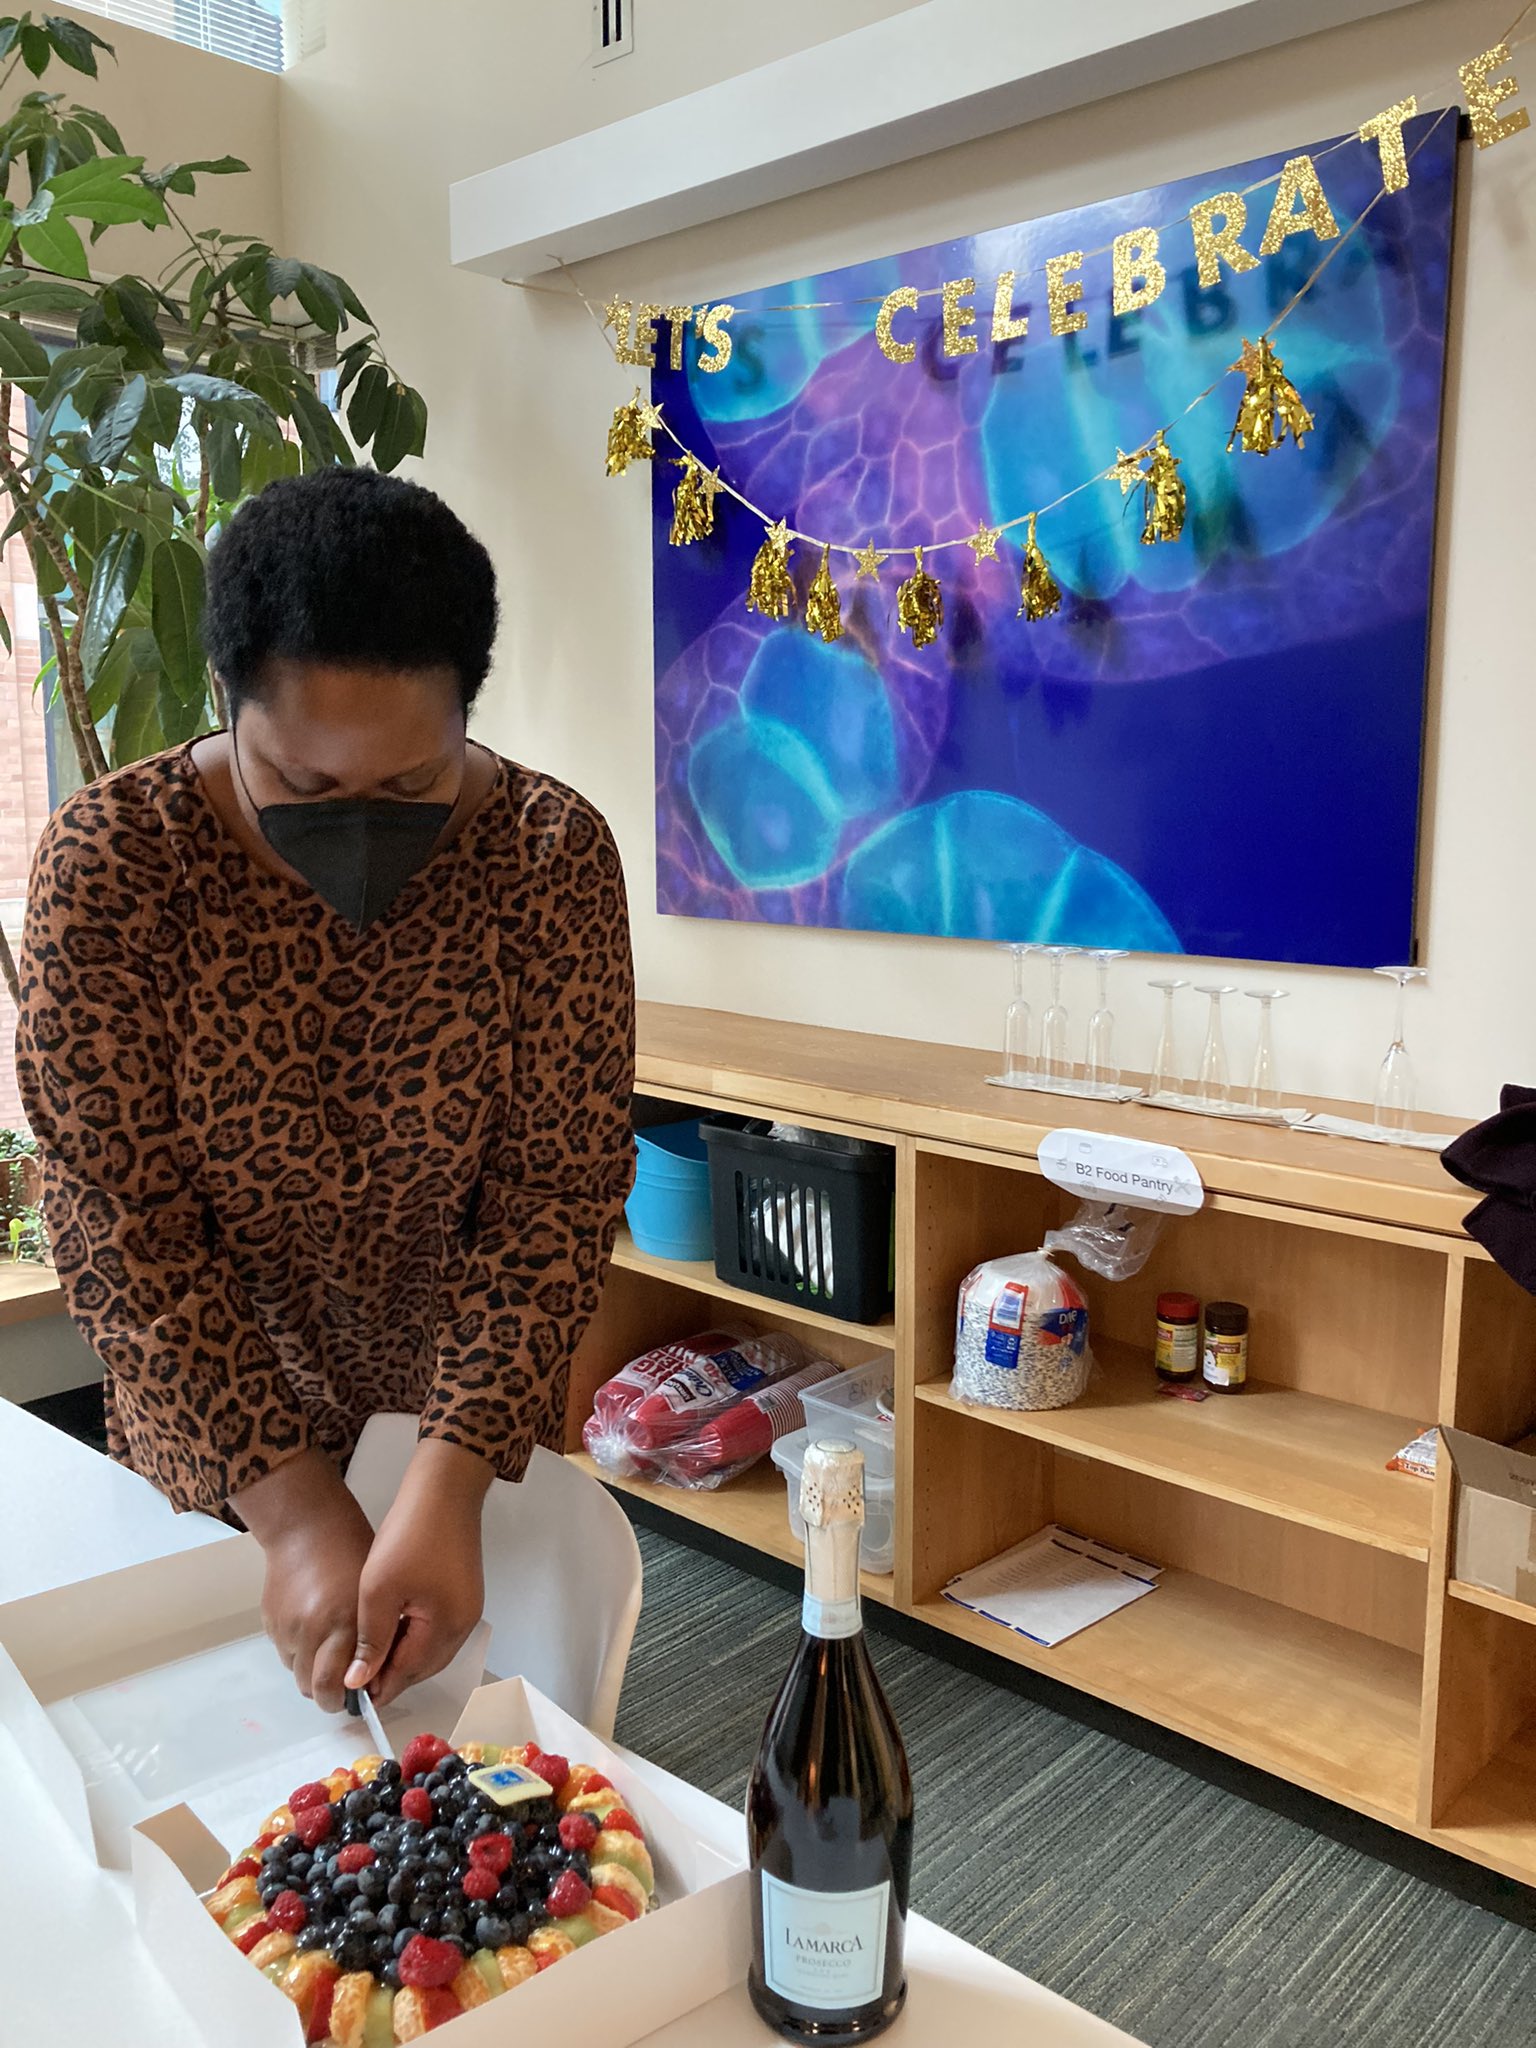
(297, 1174)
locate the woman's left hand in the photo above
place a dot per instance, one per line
(422, 1590)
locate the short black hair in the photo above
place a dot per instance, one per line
(351, 566)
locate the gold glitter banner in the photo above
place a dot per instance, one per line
(1217, 226)
(1270, 413)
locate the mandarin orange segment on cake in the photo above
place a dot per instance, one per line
(399, 1895)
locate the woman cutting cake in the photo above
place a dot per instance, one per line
(327, 1039)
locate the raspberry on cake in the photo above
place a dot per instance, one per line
(398, 1895)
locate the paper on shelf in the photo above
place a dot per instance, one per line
(1353, 1127)
(1053, 1584)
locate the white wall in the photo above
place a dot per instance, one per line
(376, 127)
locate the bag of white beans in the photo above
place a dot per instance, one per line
(1021, 1336)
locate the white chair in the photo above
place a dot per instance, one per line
(562, 1571)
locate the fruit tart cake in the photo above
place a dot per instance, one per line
(393, 1896)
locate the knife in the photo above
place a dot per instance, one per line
(360, 1704)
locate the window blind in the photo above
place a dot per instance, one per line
(270, 34)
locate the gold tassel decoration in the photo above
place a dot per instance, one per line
(627, 440)
(1040, 593)
(1165, 495)
(1272, 409)
(693, 502)
(770, 591)
(920, 605)
(823, 606)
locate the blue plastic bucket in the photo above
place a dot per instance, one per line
(669, 1208)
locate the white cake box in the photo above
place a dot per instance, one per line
(163, 1725)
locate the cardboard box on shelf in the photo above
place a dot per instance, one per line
(1494, 1542)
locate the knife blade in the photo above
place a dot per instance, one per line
(360, 1704)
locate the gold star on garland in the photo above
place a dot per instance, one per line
(1250, 361)
(650, 415)
(983, 542)
(869, 560)
(1127, 469)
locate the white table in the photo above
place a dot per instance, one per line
(67, 1514)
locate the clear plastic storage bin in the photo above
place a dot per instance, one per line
(878, 1551)
(847, 1406)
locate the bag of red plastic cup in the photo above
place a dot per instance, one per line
(704, 1386)
(606, 1430)
(738, 1435)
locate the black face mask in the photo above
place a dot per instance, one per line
(356, 852)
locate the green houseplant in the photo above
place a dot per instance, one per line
(158, 404)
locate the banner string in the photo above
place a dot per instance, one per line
(727, 489)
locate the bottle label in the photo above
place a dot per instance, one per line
(1178, 1347)
(1226, 1360)
(824, 1949)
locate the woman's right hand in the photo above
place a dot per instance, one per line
(316, 1541)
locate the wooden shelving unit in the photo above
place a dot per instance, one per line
(700, 1277)
(1306, 1620)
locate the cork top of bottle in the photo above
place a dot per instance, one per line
(832, 1483)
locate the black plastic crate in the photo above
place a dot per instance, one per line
(801, 1222)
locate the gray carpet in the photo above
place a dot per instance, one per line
(1183, 1912)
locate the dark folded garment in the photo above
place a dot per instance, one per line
(1498, 1159)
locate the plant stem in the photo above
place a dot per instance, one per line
(82, 726)
(8, 969)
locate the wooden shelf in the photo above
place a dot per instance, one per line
(753, 1510)
(1494, 1819)
(861, 1080)
(1322, 1706)
(27, 1291)
(1306, 1621)
(1496, 1603)
(1295, 1455)
(700, 1277)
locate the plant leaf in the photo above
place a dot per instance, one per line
(312, 420)
(36, 50)
(367, 407)
(163, 413)
(224, 459)
(176, 591)
(75, 43)
(77, 141)
(117, 425)
(99, 126)
(118, 568)
(320, 307)
(70, 365)
(22, 356)
(403, 429)
(42, 295)
(136, 727)
(245, 405)
(105, 189)
(54, 245)
(283, 274)
(181, 177)
(122, 660)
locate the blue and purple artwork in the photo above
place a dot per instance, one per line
(1216, 746)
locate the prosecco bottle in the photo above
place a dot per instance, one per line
(829, 1807)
